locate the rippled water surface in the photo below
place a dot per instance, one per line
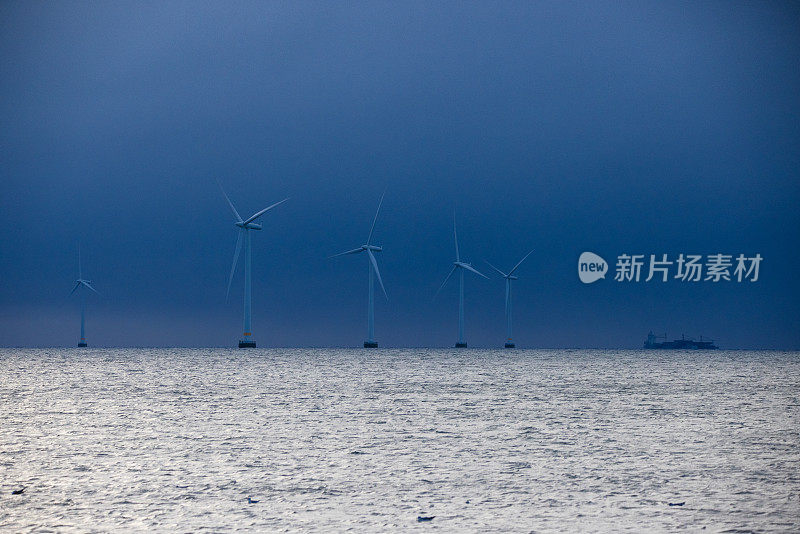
(330, 440)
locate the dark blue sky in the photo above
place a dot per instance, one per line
(609, 127)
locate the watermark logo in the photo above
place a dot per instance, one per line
(591, 267)
(663, 268)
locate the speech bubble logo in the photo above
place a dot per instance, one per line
(591, 267)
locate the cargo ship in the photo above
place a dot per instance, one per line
(682, 343)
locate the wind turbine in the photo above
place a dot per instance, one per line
(461, 267)
(369, 248)
(84, 284)
(244, 235)
(509, 277)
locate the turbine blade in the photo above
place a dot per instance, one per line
(520, 262)
(377, 272)
(354, 251)
(504, 275)
(469, 268)
(235, 213)
(369, 238)
(262, 212)
(89, 286)
(445, 280)
(235, 259)
(80, 273)
(77, 285)
(455, 235)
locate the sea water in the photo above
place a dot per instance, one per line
(330, 440)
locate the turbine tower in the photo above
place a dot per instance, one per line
(370, 249)
(245, 226)
(509, 277)
(84, 285)
(461, 267)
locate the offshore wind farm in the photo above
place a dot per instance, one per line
(369, 248)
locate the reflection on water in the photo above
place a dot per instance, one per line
(331, 439)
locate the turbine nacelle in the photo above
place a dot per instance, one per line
(248, 226)
(510, 274)
(85, 283)
(373, 248)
